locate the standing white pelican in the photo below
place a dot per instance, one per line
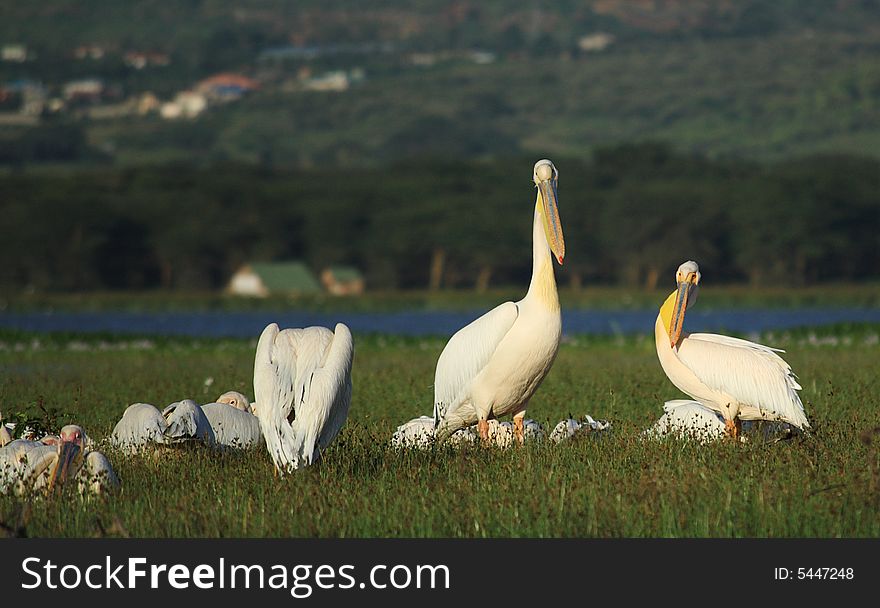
(302, 383)
(740, 380)
(494, 365)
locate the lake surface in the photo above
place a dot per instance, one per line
(420, 323)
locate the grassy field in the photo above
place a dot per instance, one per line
(614, 485)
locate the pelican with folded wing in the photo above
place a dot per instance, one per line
(492, 367)
(739, 379)
(302, 385)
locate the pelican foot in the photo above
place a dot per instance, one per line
(518, 430)
(732, 428)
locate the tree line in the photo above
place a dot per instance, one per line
(630, 215)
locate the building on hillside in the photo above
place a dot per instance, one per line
(16, 53)
(186, 104)
(85, 89)
(598, 41)
(272, 278)
(226, 87)
(342, 280)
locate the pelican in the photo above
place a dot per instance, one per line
(740, 380)
(419, 433)
(689, 420)
(5, 432)
(141, 424)
(493, 366)
(503, 434)
(228, 422)
(302, 383)
(232, 422)
(569, 428)
(187, 422)
(42, 466)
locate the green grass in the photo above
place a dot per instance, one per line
(613, 486)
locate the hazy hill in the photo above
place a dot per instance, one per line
(467, 79)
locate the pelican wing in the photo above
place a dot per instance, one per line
(328, 396)
(415, 433)
(141, 423)
(24, 465)
(751, 373)
(688, 419)
(466, 354)
(96, 475)
(187, 422)
(233, 427)
(274, 376)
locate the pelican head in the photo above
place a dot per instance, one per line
(71, 446)
(687, 277)
(546, 177)
(236, 400)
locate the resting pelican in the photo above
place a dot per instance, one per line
(493, 366)
(233, 423)
(738, 379)
(42, 466)
(569, 428)
(419, 433)
(224, 423)
(141, 424)
(187, 422)
(688, 420)
(302, 383)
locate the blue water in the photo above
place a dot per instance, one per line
(250, 324)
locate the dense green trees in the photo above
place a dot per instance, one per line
(630, 216)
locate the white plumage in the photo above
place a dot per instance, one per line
(302, 383)
(419, 433)
(232, 427)
(492, 367)
(25, 466)
(569, 428)
(96, 476)
(226, 423)
(141, 424)
(187, 422)
(466, 354)
(38, 466)
(753, 374)
(688, 419)
(740, 380)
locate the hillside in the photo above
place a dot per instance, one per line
(396, 79)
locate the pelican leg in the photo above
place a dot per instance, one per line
(732, 428)
(483, 428)
(518, 430)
